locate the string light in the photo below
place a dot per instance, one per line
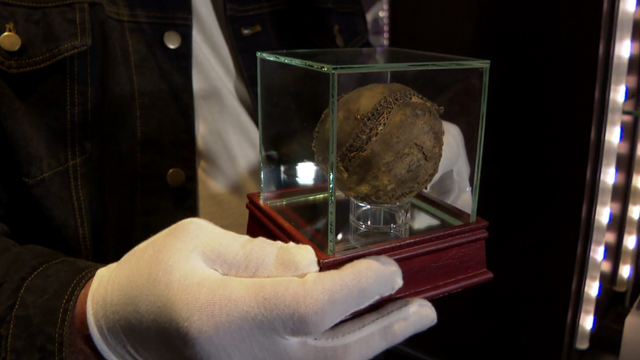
(606, 215)
(589, 322)
(622, 93)
(600, 252)
(617, 135)
(611, 176)
(617, 96)
(626, 48)
(631, 242)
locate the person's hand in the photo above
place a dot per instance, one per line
(196, 291)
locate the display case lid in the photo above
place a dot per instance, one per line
(370, 59)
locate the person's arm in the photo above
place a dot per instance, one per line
(81, 346)
(39, 289)
(196, 291)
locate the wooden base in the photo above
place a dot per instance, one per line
(433, 264)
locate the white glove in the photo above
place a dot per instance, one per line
(196, 291)
(451, 182)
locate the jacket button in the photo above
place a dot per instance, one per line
(175, 177)
(10, 41)
(172, 39)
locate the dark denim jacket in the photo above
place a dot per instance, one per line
(94, 112)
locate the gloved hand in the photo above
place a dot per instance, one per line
(196, 291)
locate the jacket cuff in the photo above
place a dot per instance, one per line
(39, 322)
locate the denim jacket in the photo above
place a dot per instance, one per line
(95, 110)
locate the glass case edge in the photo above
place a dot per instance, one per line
(260, 141)
(409, 66)
(480, 145)
(333, 104)
(462, 58)
(462, 64)
(454, 57)
(295, 62)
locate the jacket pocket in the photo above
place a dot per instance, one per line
(46, 34)
(44, 86)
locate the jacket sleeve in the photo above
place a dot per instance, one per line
(38, 292)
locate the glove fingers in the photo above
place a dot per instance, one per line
(260, 257)
(320, 300)
(370, 334)
(238, 255)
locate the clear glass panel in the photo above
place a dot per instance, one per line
(426, 214)
(403, 152)
(288, 115)
(460, 94)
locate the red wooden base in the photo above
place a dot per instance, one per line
(433, 264)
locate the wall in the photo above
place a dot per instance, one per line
(543, 102)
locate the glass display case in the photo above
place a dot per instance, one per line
(362, 147)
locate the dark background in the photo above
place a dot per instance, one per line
(536, 185)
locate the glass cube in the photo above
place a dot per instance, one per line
(360, 147)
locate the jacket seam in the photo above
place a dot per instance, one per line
(255, 5)
(69, 313)
(54, 170)
(86, 9)
(43, 56)
(143, 12)
(13, 314)
(62, 309)
(135, 88)
(339, 8)
(43, 64)
(40, 5)
(78, 20)
(112, 12)
(77, 165)
(356, 41)
(254, 12)
(72, 183)
(86, 227)
(321, 41)
(146, 20)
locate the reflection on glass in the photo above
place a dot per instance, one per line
(306, 173)
(451, 183)
(378, 23)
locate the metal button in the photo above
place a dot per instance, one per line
(172, 39)
(10, 41)
(250, 30)
(339, 39)
(175, 177)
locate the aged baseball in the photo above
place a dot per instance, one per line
(389, 143)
